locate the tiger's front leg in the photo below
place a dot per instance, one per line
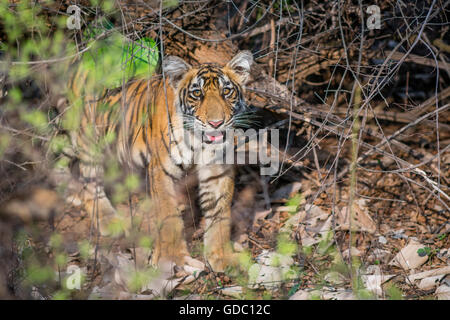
(94, 199)
(216, 187)
(167, 221)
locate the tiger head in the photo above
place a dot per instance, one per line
(210, 97)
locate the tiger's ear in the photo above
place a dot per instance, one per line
(175, 68)
(241, 64)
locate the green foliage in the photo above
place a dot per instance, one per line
(115, 59)
(62, 162)
(59, 142)
(315, 295)
(245, 259)
(360, 290)
(112, 171)
(132, 182)
(294, 202)
(36, 274)
(37, 119)
(61, 295)
(140, 278)
(61, 259)
(294, 289)
(326, 240)
(72, 116)
(394, 293)
(364, 294)
(286, 246)
(55, 241)
(253, 273)
(117, 226)
(15, 94)
(426, 251)
(4, 143)
(31, 35)
(85, 249)
(145, 242)
(170, 3)
(307, 250)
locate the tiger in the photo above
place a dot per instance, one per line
(151, 118)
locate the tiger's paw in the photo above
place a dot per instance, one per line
(223, 262)
(106, 219)
(161, 257)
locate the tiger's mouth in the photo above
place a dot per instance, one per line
(214, 137)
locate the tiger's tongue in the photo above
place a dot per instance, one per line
(215, 137)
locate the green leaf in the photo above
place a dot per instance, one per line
(285, 245)
(145, 242)
(394, 293)
(85, 249)
(61, 259)
(61, 295)
(4, 143)
(39, 275)
(56, 241)
(132, 182)
(294, 202)
(170, 3)
(422, 252)
(115, 60)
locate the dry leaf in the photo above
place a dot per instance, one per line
(408, 258)
(133, 296)
(325, 294)
(335, 278)
(430, 273)
(194, 263)
(373, 282)
(428, 279)
(430, 282)
(313, 222)
(262, 275)
(234, 292)
(380, 254)
(355, 253)
(443, 292)
(301, 295)
(340, 294)
(274, 259)
(362, 221)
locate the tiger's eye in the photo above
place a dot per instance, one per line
(197, 93)
(226, 91)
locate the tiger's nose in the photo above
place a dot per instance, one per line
(215, 123)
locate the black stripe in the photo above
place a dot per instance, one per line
(210, 203)
(209, 179)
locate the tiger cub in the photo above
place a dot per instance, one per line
(155, 122)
